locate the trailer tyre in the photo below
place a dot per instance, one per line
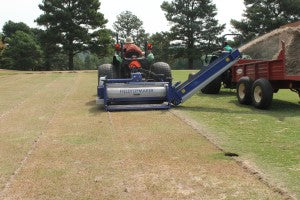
(213, 87)
(262, 94)
(243, 91)
(162, 68)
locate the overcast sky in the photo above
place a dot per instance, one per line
(148, 11)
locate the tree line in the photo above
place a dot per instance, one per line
(72, 34)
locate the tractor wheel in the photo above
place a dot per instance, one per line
(262, 94)
(214, 87)
(243, 90)
(162, 68)
(107, 70)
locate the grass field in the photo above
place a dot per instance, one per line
(268, 139)
(56, 144)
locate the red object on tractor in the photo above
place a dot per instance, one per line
(117, 47)
(149, 47)
(135, 64)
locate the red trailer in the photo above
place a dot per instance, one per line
(257, 80)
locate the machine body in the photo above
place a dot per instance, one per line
(136, 94)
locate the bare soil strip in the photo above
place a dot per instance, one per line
(85, 153)
(35, 142)
(19, 129)
(11, 80)
(18, 92)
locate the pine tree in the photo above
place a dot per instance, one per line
(53, 56)
(129, 25)
(11, 28)
(194, 24)
(263, 16)
(72, 24)
(161, 46)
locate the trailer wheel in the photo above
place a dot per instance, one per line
(107, 70)
(243, 90)
(262, 94)
(214, 87)
(162, 68)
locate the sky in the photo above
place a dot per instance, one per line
(148, 11)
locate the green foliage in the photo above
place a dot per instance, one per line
(166, 51)
(194, 24)
(183, 63)
(161, 46)
(23, 53)
(78, 62)
(53, 56)
(11, 28)
(75, 25)
(103, 46)
(141, 37)
(87, 61)
(128, 24)
(263, 16)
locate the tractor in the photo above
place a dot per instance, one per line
(125, 63)
(226, 78)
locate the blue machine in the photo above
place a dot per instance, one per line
(135, 94)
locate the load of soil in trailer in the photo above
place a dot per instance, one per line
(268, 46)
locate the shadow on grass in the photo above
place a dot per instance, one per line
(212, 110)
(222, 94)
(93, 107)
(279, 109)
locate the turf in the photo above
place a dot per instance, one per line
(57, 144)
(268, 139)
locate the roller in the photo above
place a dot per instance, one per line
(125, 91)
(135, 92)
